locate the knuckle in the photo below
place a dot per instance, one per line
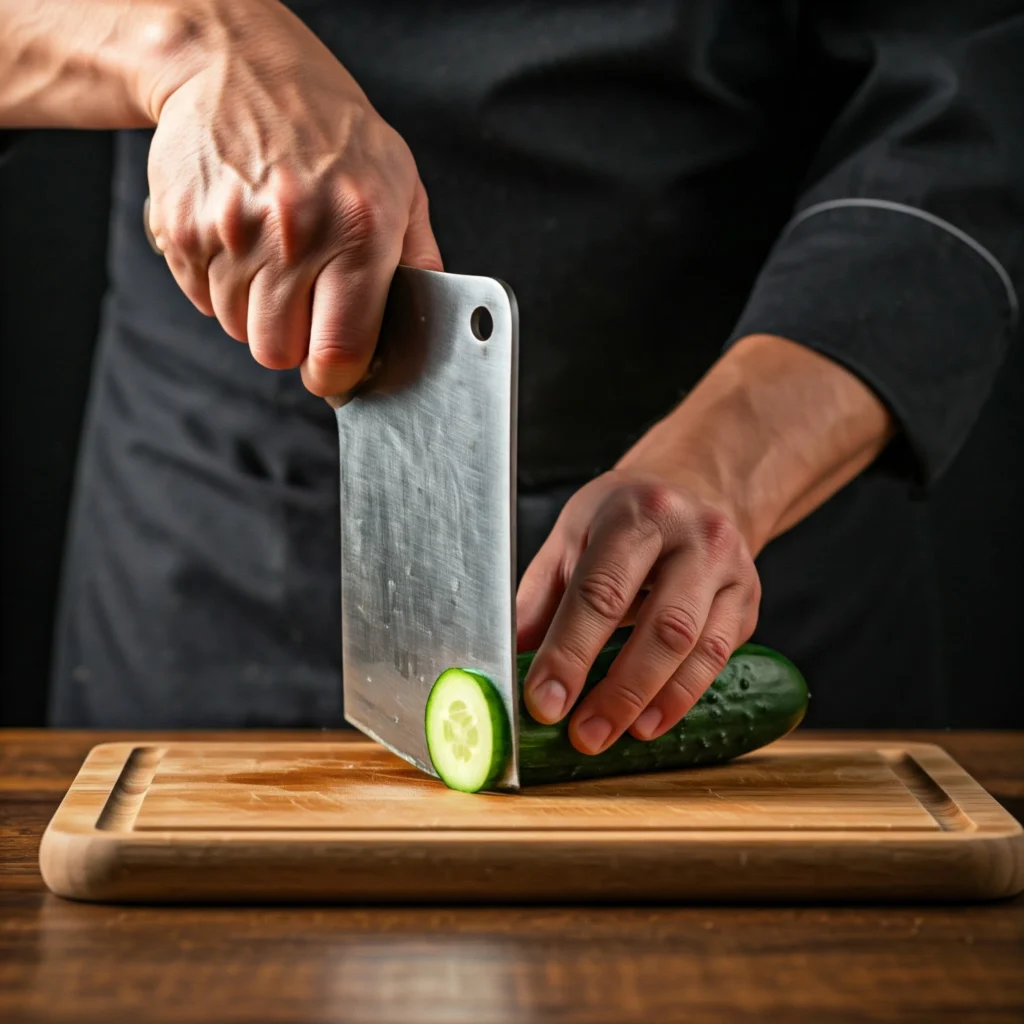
(629, 695)
(571, 657)
(365, 222)
(276, 349)
(283, 191)
(683, 692)
(179, 234)
(719, 533)
(341, 339)
(293, 212)
(675, 629)
(604, 594)
(231, 222)
(343, 354)
(653, 505)
(714, 651)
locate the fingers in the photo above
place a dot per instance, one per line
(285, 214)
(729, 624)
(701, 604)
(177, 240)
(543, 584)
(299, 290)
(666, 632)
(229, 281)
(348, 307)
(419, 248)
(278, 318)
(540, 592)
(193, 281)
(623, 546)
(298, 311)
(327, 320)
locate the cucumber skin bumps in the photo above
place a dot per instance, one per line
(757, 698)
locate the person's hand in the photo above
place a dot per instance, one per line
(281, 200)
(624, 534)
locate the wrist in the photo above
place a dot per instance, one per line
(176, 41)
(770, 433)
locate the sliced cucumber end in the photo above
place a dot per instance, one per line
(467, 730)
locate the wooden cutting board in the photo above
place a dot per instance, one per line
(799, 820)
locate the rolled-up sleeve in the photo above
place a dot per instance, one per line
(904, 258)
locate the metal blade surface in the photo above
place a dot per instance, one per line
(428, 491)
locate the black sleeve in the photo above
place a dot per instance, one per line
(904, 259)
(8, 136)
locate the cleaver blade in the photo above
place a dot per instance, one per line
(427, 449)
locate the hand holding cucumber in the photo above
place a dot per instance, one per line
(666, 542)
(625, 533)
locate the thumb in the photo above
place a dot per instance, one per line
(419, 249)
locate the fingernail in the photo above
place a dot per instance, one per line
(593, 732)
(548, 700)
(647, 723)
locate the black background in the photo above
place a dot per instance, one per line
(53, 206)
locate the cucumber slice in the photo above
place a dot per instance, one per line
(468, 735)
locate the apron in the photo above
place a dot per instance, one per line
(201, 580)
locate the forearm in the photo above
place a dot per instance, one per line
(770, 433)
(95, 63)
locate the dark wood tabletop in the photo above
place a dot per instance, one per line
(62, 961)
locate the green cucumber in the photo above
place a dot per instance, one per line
(757, 698)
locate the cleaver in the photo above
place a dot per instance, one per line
(427, 448)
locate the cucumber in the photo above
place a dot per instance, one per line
(468, 734)
(757, 698)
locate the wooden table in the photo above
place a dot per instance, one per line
(62, 961)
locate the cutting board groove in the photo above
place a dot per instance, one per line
(947, 814)
(122, 806)
(799, 820)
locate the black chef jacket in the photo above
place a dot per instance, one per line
(654, 179)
